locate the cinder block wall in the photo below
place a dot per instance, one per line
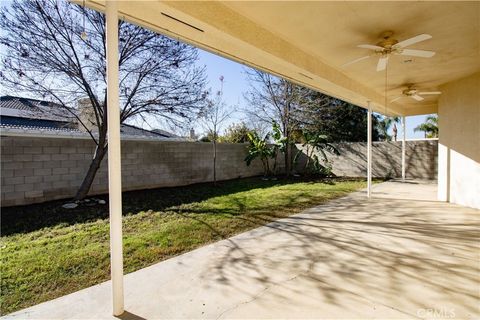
(420, 160)
(41, 169)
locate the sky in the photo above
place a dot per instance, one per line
(236, 83)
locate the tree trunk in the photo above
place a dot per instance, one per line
(274, 169)
(92, 171)
(214, 162)
(288, 159)
(286, 133)
(307, 162)
(266, 167)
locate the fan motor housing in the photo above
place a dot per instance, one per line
(410, 91)
(387, 43)
(387, 40)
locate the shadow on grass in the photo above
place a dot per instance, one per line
(23, 219)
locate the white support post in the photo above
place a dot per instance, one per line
(114, 161)
(403, 149)
(369, 150)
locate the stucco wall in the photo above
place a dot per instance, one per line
(420, 159)
(459, 142)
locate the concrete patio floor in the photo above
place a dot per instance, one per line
(400, 254)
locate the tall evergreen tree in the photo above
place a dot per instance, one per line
(338, 120)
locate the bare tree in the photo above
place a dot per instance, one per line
(253, 121)
(275, 99)
(56, 50)
(213, 118)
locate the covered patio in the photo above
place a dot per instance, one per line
(396, 253)
(401, 254)
(314, 44)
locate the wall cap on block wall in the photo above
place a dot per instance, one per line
(67, 134)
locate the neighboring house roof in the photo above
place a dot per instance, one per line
(164, 133)
(33, 115)
(36, 109)
(132, 130)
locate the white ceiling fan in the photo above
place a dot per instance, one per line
(413, 93)
(389, 45)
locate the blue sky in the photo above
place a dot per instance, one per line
(235, 84)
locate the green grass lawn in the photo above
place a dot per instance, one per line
(47, 251)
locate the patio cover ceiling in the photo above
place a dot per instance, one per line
(308, 42)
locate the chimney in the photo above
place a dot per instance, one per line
(86, 115)
(192, 134)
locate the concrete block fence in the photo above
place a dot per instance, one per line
(38, 169)
(420, 160)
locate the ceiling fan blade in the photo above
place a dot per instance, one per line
(409, 42)
(370, 46)
(417, 53)
(429, 93)
(396, 99)
(355, 61)
(417, 97)
(382, 63)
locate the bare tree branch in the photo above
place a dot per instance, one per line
(46, 57)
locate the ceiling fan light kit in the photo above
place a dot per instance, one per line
(389, 45)
(412, 92)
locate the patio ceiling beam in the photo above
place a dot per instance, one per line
(415, 110)
(369, 150)
(215, 27)
(294, 63)
(403, 148)
(114, 158)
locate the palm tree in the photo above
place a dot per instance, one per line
(384, 125)
(429, 127)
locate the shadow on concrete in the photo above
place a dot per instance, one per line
(405, 254)
(129, 316)
(421, 159)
